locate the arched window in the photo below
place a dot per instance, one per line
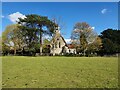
(69, 50)
(59, 45)
(52, 45)
(55, 45)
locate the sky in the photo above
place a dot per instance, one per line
(99, 15)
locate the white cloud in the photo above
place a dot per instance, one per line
(103, 11)
(93, 28)
(14, 17)
(68, 40)
(47, 37)
(2, 16)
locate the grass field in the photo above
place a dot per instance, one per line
(59, 72)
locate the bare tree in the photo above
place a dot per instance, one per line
(82, 35)
(59, 21)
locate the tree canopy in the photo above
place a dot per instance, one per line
(82, 35)
(11, 38)
(29, 32)
(34, 27)
(111, 41)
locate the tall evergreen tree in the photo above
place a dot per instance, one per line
(34, 27)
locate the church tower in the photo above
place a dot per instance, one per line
(57, 30)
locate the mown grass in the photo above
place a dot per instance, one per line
(59, 72)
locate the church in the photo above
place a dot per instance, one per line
(59, 46)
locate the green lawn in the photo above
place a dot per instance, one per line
(59, 72)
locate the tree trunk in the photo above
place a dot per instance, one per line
(14, 50)
(84, 52)
(40, 40)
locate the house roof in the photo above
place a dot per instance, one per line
(71, 46)
(64, 40)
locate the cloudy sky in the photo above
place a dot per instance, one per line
(98, 15)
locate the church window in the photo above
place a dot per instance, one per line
(69, 50)
(59, 45)
(55, 45)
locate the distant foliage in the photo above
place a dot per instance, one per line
(12, 39)
(111, 41)
(27, 38)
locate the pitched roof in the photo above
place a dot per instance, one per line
(71, 46)
(59, 35)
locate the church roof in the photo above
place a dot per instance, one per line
(59, 35)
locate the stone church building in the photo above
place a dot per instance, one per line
(59, 46)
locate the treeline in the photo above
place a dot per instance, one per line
(27, 38)
(110, 42)
(88, 43)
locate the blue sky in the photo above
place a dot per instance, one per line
(99, 15)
